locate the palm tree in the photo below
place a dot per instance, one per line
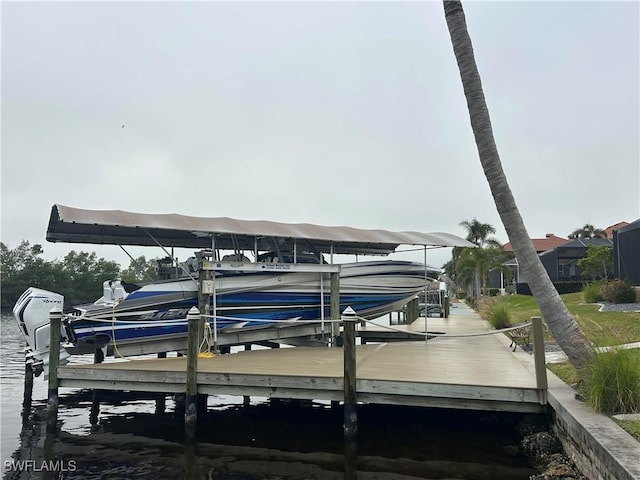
(466, 271)
(588, 231)
(478, 233)
(561, 324)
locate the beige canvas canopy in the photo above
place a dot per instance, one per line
(116, 227)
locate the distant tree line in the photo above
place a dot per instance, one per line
(78, 276)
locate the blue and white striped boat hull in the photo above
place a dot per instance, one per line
(158, 311)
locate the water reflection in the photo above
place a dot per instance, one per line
(350, 458)
(268, 442)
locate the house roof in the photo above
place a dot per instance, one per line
(116, 227)
(549, 242)
(609, 230)
(577, 248)
(570, 250)
(629, 226)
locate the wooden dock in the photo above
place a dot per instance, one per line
(465, 372)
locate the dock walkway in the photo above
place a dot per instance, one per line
(474, 372)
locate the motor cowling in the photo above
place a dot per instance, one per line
(31, 312)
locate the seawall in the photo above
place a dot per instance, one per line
(598, 446)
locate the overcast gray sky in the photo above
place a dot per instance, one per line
(330, 113)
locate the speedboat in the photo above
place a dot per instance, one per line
(129, 313)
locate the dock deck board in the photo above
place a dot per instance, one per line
(464, 372)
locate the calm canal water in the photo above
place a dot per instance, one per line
(235, 442)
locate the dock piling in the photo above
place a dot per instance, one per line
(28, 392)
(539, 358)
(350, 400)
(246, 399)
(98, 357)
(191, 397)
(161, 401)
(412, 310)
(55, 325)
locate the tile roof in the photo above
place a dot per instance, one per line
(609, 230)
(549, 242)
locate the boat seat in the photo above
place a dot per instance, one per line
(236, 257)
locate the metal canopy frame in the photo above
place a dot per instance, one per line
(116, 227)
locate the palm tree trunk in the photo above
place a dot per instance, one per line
(562, 325)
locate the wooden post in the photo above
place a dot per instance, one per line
(246, 399)
(28, 392)
(191, 397)
(49, 457)
(98, 357)
(539, 359)
(350, 459)
(206, 308)
(190, 469)
(412, 310)
(335, 306)
(350, 396)
(161, 401)
(350, 413)
(55, 325)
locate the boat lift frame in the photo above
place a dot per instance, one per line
(208, 287)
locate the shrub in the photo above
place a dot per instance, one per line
(593, 293)
(500, 316)
(613, 383)
(568, 287)
(618, 291)
(484, 305)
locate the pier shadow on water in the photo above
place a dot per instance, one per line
(266, 440)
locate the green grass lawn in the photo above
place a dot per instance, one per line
(601, 328)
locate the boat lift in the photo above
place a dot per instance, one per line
(73, 225)
(208, 296)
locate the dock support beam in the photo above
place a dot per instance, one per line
(55, 325)
(539, 358)
(191, 397)
(204, 302)
(335, 306)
